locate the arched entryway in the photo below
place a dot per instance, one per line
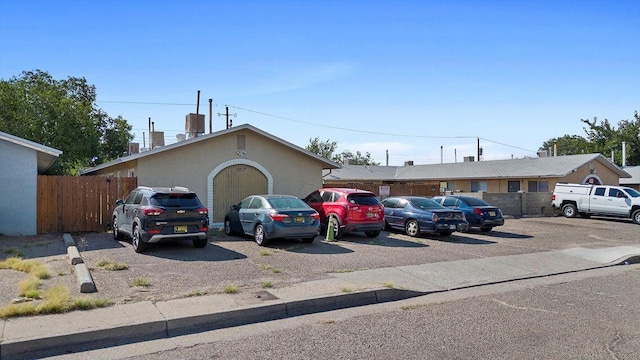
(232, 181)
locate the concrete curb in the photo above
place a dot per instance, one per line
(152, 323)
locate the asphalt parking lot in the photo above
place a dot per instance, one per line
(176, 270)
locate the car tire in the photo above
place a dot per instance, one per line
(337, 232)
(387, 227)
(372, 234)
(412, 228)
(259, 235)
(200, 243)
(446, 233)
(486, 228)
(309, 240)
(116, 232)
(227, 227)
(139, 246)
(636, 216)
(569, 211)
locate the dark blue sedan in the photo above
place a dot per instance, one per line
(478, 212)
(416, 215)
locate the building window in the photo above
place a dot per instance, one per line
(132, 172)
(538, 186)
(478, 186)
(513, 186)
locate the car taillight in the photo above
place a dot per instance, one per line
(151, 211)
(203, 211)
(553, 197)
(204, 229)
(279, 217)
(477, 211)
(315, 216)
(153, 232)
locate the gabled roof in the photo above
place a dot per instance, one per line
(46, 155)
(549, 167)
(328, 164)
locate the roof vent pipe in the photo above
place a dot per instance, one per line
(624, 154)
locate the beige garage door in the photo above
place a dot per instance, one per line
(233, 184)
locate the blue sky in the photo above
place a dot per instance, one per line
(410, 77)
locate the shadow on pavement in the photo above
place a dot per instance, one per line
(318, 247)
(385, 240)
(184, 251)
(457, 238)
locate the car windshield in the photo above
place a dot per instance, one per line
(175, 200)
(287, 203)
(363, 199)
(471, 201)
(632, 192)
(425, 204)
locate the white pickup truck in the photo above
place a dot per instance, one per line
(587, 200)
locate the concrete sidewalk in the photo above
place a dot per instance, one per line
(121, 324)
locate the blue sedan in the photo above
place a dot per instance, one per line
(416, 215)
(478, 212)
(268, 217)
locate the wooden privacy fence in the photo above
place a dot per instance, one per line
(79, 203)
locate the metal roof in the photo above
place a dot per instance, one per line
(328, 163)
(547, 167)
(46, 155)
(634, 171)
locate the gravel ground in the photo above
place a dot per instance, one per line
(176, 270)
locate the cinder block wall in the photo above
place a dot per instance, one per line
(518, 204)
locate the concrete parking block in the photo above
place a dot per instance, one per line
(68, 240)
(84, 279)
(74, 255)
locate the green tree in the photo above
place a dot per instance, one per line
(323, 148)
(606, 138)
(357, 159)
(568, 145)
(62, 114)
(328, 148)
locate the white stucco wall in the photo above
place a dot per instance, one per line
(18, 177)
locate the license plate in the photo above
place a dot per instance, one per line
(492, 213)
(299, 219)
(452, 227)
(180, 229)
(370, 214)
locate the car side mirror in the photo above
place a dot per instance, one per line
(234, 207)
(119, 202)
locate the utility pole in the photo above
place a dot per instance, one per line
(229, 123)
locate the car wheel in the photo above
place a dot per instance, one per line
(259, 236)
(116, 233)
(486, 228)
(636, 216)
(227, 227)
(138, 245)
(308, 240)
(200, 243)
(569, 211)
(372, 234)
(412, 228)
(445, 233)
(333, 222)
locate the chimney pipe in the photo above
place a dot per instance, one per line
(387, 157)
(441, 155)
(624, 154)
(210, 116)
(150, 141)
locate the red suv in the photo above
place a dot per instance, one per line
(348, 210)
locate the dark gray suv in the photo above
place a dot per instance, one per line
(150, 215)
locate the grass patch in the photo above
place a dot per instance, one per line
(140, 282)
(264, 252)
(29, 287)
(56, 300)
(230, 289)
(346, 290)
(32, 267)
(195, 293)
(388, 285)
(112, 266)
(276, 271)
(340, 271)
(267, 284)
(376, 242)
(13, 252)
